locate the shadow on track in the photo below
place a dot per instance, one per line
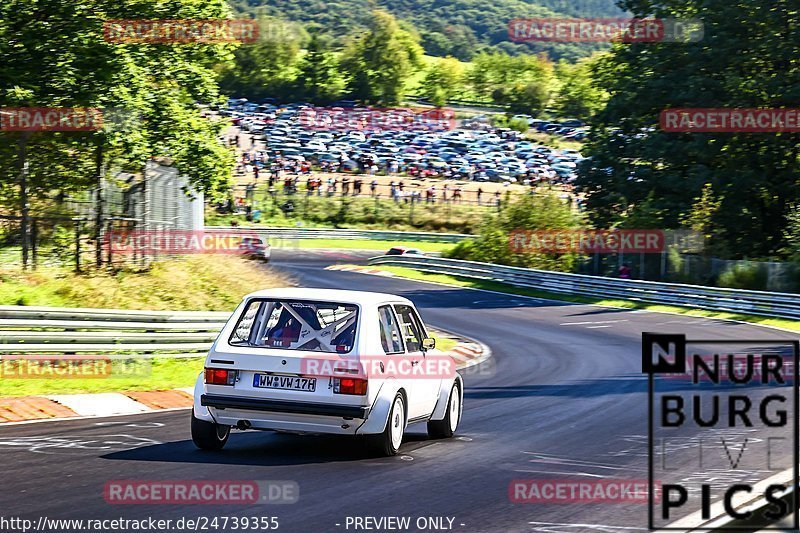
(264, 448)
(630, 384)
(578, 389)
(465, 299)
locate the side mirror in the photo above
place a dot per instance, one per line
(428, 343)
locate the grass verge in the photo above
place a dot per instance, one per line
(409, 273)
(362, 212)
(125, 375)
(191, 283)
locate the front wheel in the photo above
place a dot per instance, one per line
(446, 427)
(209, 435)
(388, 442)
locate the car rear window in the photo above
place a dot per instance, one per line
(297, 325)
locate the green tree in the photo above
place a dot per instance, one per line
(147, 92)
(734, 65)
(444, 80)
(319, 80)
(380, 61)
(268, 67)
(578, 95)
(495, 242)
(792, 234)
(524, 82)
(529, 98)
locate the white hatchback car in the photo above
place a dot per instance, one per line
(326, 361)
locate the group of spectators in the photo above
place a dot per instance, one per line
(289, 172)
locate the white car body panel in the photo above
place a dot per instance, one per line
(365, 414)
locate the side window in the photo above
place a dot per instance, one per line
(390, 331)
(411, 327)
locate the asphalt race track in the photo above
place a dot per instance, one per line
(562, 397)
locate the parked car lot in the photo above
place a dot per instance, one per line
(473, 150)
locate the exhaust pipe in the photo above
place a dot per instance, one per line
(243, 424)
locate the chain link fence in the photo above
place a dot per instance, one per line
(160, 200)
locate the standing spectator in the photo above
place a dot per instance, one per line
(480, 192)
(624, 271)
(357, 186)
(373, 187)
(345, 185)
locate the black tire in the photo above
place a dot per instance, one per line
(381, 444)
(444, 429)
(209, 435)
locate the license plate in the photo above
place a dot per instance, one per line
(267, 381)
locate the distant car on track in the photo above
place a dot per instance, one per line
(326, 361)
(399, 250)
(255, 247)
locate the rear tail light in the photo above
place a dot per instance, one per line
(220, 376)
(354, 386)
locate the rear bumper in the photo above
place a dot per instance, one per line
(278, 406)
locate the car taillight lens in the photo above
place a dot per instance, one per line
(354, 386)
(220, 376)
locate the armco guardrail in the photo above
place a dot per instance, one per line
(348, 234)
(78, 313)
(772, 304)
(50, 330)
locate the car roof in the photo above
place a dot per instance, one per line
(329, 295)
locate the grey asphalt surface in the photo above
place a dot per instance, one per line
(562, 398)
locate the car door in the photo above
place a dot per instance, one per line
(424, 385)
(394, 349)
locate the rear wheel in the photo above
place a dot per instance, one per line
(209, 435)
(446, 427)
(388, 442)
